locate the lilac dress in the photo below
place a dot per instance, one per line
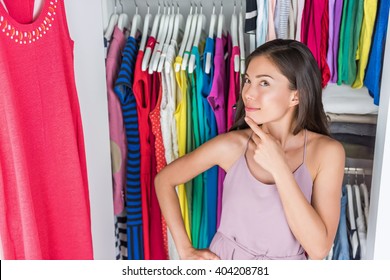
(253, 223)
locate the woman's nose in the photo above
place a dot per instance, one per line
(248, 95)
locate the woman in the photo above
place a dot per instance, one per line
(281, 197)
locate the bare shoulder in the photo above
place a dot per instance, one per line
(325, 151)
(230, 146)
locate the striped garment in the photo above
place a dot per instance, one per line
(282, 11)
(121, 236)
(250, 16)
(123, 89)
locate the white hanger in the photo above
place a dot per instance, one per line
(352, 220)
(178, 30)
(358, 200)
(360, 220)
(213, 20)
(178, 25)
(366, 203)
(234, 34)
(221, 23)
(241, 41)
(185, 38)
(200, 27)
(136, 23)
(123, 19)
(162, 31)
(145, 30)
(167, 40)
(148, 50)
(365, 194)
(190, 41)
(111, 24)
(351, 211)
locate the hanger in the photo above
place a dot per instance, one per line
(190, 41)
(111, 24)
(123, 19)
(178, 25)
(136, 23)
(185, 38)
(162, 31)
(234, 33)
(167, 40)
(364, 193)
(145, 30)
(212, 34)
(351, 219)
(177, 33)
(358, 201)
(221, 23)
(148, 50)
(360, 220)
(241, 41)
(200, 27)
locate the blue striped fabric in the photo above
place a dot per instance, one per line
(123, 89)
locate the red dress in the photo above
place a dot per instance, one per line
(44, 200)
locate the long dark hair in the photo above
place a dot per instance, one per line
(296, 62)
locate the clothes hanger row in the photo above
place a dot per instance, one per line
(186, 35)
(357, 212)
(357, 171)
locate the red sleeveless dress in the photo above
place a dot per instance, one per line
(44, 200)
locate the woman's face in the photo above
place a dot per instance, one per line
(266, 94)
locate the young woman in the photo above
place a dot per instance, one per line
(281, 196)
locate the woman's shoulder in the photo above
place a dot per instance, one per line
(231, 145)
(324, 150)
(235, 139)
(324, 143)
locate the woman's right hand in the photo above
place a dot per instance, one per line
(199, 254)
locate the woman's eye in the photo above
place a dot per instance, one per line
(264, 83)
(247, 81)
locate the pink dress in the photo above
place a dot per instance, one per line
(44, 200)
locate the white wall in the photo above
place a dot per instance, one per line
(85, 26)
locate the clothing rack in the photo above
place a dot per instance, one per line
(357, 171)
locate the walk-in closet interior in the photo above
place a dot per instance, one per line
(358, 121)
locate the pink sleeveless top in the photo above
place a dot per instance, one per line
(44, 200)
(253, 223)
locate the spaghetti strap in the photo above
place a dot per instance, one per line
(304, 147)
(247, 142)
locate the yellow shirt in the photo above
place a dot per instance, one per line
(181, 126)
(362, 53)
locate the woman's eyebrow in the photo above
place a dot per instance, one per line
(260, 76)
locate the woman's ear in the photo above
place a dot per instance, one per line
(294, 98)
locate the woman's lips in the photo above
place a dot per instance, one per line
(249, 109)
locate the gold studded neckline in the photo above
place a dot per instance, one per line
(32, 32)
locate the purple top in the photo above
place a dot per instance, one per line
(338, 9)
(253, 223)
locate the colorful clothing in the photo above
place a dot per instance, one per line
(123, 89)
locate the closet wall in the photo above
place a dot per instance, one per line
(85, 26)
(378, 241)
(87, 20)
